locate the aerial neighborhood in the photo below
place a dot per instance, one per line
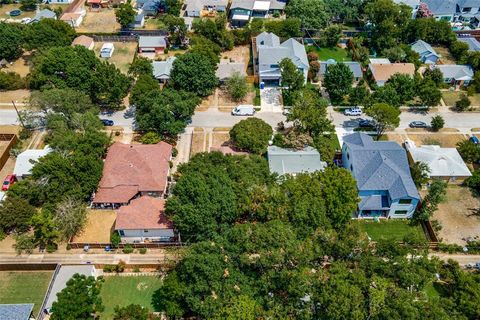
(239, 159)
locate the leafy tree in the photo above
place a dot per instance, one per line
(404, 86)
(28, 5)
(48, 33)
(237, 87)
(15, 214)
(435, 32)
(469, 151)
(70, 217)
(11, 81)
(208, 49)
(459, 50)
(177, 29)
(215, 31)
(193, 72)
(173, 7)
(131, 312)
(85, 292)
(312, 13)
(473, 182)
(165, 112)
(338, 81)
(385, 117)
(395, 54)
(435, 75)
(463, 103)
(24, 243)
(332, 35)
(437, 122)
(143, 86)
(125, 14)
(387, 94)
(150, 138)
(314, 68)
(44, 229)
(11, 41)
(140, 66)
(251, 134)
(287, 28)
(429, 94)
(359, 96)
(436, 194)
(344, 10)
(292, 78)
(420, 173)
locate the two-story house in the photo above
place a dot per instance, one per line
(384, 183)
(270, 52)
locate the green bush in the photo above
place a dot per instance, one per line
(142, 250)
(437, 123)
(51, 247)
(150, 138)
(115, 239)
(251, 135)
(174, 152)
(120, 267)
(108, 268)
(127, 249)
(136, 269)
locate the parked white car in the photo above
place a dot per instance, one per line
(243, 110)
(356, 112)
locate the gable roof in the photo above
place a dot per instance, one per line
(380, 166)
(473, 44)
(225, 69)
(143, 213)
(423, 48)
(288, 161)
(442, 7)
(268, 39)
(27, 159)
(242, 4)
(456, 71)
(133, 168)
(162, 69)
(44, 14)
(151, 41)
(83, 41)
(383, 72)
(21, 311)
(352, 65)
(272, 55)
(443, 162)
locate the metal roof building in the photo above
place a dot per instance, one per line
(288, 161)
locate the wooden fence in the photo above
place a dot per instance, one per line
(11, 139)
(97, 245)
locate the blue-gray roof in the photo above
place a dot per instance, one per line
(44, 14)
(352, 65)
(456, 71)
(16, 311)
(441, 7)
(473, 44)
(161, 69)
(287, 161)
(423, 48)
(380, 166)
(373, 202)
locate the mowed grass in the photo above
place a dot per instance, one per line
(24, 287)
(122, 291)
(450, 97)
(390, 229)
(337, 54)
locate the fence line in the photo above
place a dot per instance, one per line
(41, 314)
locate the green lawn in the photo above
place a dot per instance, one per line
(389, 229)
(24, 287)
(122, 291)
(324, 54)
(450, 97)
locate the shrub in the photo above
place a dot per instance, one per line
(150, 138)
(108, 268)
(69, 246)
(174, 152)
(127, 249)
(463, 103)
(11, 81)
(237, 87)
(120, 267)
(437, 123)
(142, 250)
(251, 135)
(51, 247)
(115, 239)
(136, 269)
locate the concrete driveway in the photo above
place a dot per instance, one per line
(271, 99)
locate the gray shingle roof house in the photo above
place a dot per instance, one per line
(473, 44)
(287, 161)
(271, 52)
(162, 69)
(442, 9)
(151, 44)
(44, 14)
(194, 7)
(242, 10)
(352, 65)
(384, 183)
(22, 311)
(226, 69)
(427, 54)
(456, 74)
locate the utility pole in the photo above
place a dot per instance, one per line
(18, 114)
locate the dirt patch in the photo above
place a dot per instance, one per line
(20, 96)
(103, 21)
(446, 58)
(98, 228)
(455, 216)
(238, 54)
(21, 65)
(198, 141)
(226, 103)
(122, 56)
(220, 139)
(446, 140)
(6, 245)
(206, 103)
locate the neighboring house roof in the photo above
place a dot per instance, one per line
(152, 42)
(21, 311)
(226, 69)
(44, 14)
(473, 44)
(69, 16)
(455, 71)
(27, 159)
(64, 274)
(379, 60)
(151, 5)
(355, 67)
(162, 69)
(424, 49)
(83, 41)
(258, 5)
(267, 39)
(288, 161)
(383, 72)
(242, 4)
(380, 166)
(443, 162)
(143, 213)
(441, 7)
(261, 5)
(468, 3)
(277, 4)
(197, 5)
(133, 168)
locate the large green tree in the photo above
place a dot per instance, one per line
(385, 116)
(11, 41)
(15, 215)
(312, 13)
(125, 14)
(131, 312)
(237, 87)
(48, 33)
(251, 134)
(338, 81)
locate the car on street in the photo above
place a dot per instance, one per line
(243, 110)
(365, 123)
(355, 111)
(107, 122)
(9, 180)
(418, 124)
(474, 140)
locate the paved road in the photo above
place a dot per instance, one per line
(149, 258)
(214, 118)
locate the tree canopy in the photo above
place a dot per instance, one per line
(385, 117)
(125, 14)
(312, 13)
(338, 81)
(251, 134)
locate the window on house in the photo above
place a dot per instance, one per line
(274, 66)
(121, 232)
(351, 167)
(348, 156)
(146, 231)
(400, 212)
(405, 201)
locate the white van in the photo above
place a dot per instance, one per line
(355, 111)
(243, 110)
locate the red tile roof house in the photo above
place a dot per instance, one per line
(131, 171)
(143, 220)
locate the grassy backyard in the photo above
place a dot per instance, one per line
(324, 54)
(122, 291)
(390, 229)
(24, 287)
(450, 97)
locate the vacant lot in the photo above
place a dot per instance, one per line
(98, 228)
(21, 65)
(446, 140)
(450, 97)
(103, 21)
(24, 287)
(21, 96)
(455, 216)
(337, 54)
(122, 55)
(238, 54)
(390, 229)
(122, 291)
(153, 24)
(446, 58)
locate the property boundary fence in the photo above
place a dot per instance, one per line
(41, 314)
(114, 38)
(11, 139)
(96, 245)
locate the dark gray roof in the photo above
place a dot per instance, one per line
(380, 166)
(44, 14)
(151, 41)
(373, 202)
(288, 161)
(456, 71)
(473, 44)
(441, 7)
(421, 47)
(16, 311)
(352, 65)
